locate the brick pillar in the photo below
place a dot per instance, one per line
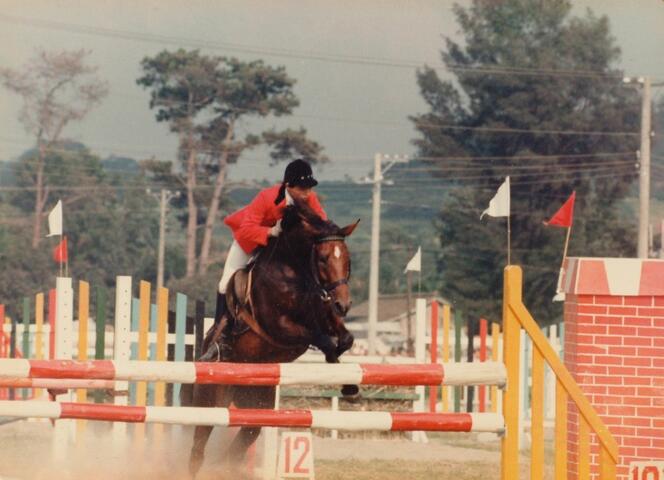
(614, 348)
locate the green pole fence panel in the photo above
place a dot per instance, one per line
(152, 350)
(26, 337)
(457, 356)
(26, 327)
(12, 352)
(100, 325)
(100, 334)
(180, 327)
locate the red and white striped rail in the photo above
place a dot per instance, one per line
(384, 421)
(56, 383)
(485, 373)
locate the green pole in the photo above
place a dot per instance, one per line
(457, 356)
(26, 336)
(100, 324)
(100, 337)
(12, 352)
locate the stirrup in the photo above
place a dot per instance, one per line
(213, 354)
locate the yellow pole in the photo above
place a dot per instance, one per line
(560, 444)
(83, 309)
(162, 330)
(39, 332)
(446, 352)
(143, 329)
(495, 339)
(537, 417)
(511, 349)
(584, 448)
(607, 466)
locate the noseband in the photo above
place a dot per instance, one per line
(326, 290)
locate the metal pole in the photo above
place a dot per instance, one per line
(644, 173)
(162, 240)
(375, 252)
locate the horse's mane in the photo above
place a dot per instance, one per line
(300, 213)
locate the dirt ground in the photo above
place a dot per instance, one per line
(26, 452)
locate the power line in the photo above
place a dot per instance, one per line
(306, 55)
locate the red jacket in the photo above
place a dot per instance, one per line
(251, 224)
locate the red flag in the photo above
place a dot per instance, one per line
(565, 215)
(60, 252)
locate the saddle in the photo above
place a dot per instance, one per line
(238, 300)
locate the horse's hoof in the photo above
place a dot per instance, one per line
(351, 393)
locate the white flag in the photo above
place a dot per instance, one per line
(415, 263)
(55, 220)
(499, 206)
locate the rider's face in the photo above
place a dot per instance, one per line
(299, 193)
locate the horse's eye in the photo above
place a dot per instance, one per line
(322, 259)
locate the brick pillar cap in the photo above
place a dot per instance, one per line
(613, 276)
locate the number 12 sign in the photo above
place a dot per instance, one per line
(296, 455)
(646, 471)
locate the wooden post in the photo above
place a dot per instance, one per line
(433, 350)
(83, 317)
(457, 357)
(100, 334)
(511, 354)
(51, 324)
(180, 327)
(482, 389)
(26, 338)
(446, 352)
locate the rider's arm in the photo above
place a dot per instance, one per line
(250, 229)
(315, 205)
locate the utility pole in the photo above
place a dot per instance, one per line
(644, 171)
(375, 247)
(378, 179)
(164, 198)
(162, 240)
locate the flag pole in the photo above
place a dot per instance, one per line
(569, 231)
(509, 246)
(67, 259)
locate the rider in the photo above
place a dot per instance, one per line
(254, 224)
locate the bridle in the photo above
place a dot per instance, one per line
(327, 290)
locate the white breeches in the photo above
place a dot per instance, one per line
(235, 260)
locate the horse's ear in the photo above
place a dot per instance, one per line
(348, 229)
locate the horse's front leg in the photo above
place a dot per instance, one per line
(206, 396)
(201, 436)
(248, 397)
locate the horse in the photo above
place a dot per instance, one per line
(295, 294)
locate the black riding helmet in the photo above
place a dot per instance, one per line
(299, 174)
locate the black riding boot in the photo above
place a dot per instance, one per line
(222, 348)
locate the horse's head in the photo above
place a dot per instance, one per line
(329, 258)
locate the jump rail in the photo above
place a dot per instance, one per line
(486, 373)
(349, 421)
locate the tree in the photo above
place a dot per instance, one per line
(530, 79)
(205, 99)
(57, 88)
(110, 221)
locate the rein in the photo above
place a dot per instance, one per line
(327, 290)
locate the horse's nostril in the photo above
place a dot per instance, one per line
(341, 308)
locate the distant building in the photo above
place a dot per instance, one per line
(392, 328)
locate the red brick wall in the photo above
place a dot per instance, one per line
(614, 348)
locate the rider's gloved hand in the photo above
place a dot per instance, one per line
(276, 230)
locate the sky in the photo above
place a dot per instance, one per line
(350, 105)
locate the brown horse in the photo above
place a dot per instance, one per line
(295, 296)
